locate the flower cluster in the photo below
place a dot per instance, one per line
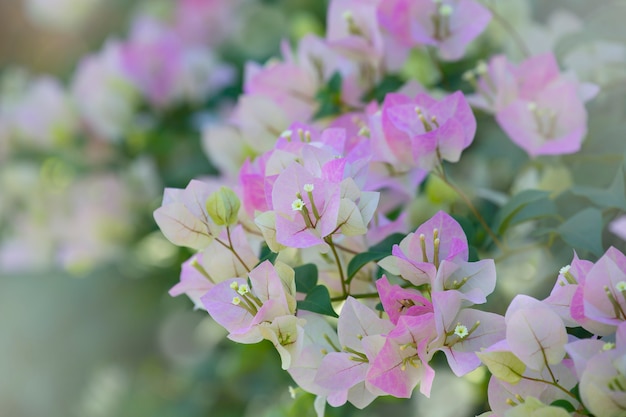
(333, 152)
(302, 246)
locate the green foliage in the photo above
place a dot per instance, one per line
(612, 197)
(373, 254)
(522, 207)
(267, 255)
(306, 278)
(317, 297)
(318, 301)
(389, 84)
(329, 97)
(564, 404)
(583, 231)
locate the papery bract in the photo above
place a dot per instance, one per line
(182, 216)
(423, 131)
(535, 333)
(448, 25)
(402, 363)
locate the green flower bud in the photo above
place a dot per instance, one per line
(223, 206)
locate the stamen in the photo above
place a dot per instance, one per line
(309, 190)
(353, 28)
(423, 245)
(565, 271)
(364, 131)
(616, 307)
(196, 265)
(330, 342)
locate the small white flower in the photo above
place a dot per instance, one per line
(565, 269)
(621, 286)
(236, 301)
(308, 187)
(243, 289)
(297, 204)
(461, 331)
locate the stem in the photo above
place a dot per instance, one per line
(468, 202)
(366, 295)
(511, 30)
(554, 384)
(230, 247)
(344, 289)
(345, 249)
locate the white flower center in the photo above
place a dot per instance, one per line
(297, 204)
(461, 331)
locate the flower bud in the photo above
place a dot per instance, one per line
(223, 206)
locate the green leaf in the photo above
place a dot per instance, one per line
(386, 244)
(318, 301)
(306, 278)
(329, 97)
(374, 254)
(527, 205)
(387, 85)
(334, 84)
(564, 404)
(612, 197)
(503, 365)
(267, 255)
(362, 259)
(584, 231)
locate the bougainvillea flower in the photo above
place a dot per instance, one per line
(554, 122)
(183, 218)
(449, 25)
(402, 363)
(263, 309)
(423, 131)
(505, 395)
(286, 84)
(462, 332)
(603, 291)
(474, 281)
(215, 264)
(346, 370)
(353, 28)
(535, 333)
(398, 301)
(307, 207)
(419, 254)
(567, 284)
